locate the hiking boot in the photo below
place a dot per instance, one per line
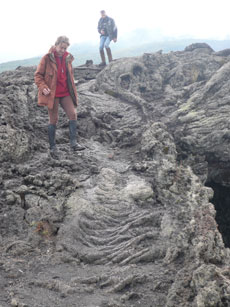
(102, 64)
(54, 153)
(72, 136)
(109, 54)
(78, 147)
(102, 54)
(51, 135)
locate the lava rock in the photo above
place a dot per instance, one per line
(129, 220)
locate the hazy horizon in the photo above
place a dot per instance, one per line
(28, 34)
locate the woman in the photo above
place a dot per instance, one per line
(55, 81)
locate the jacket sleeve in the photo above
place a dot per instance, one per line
(75, 91)
(99, 26)
(112, 29)
(39, 76)
(115, 32)
(71, 84)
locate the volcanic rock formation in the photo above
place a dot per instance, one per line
(141, 217)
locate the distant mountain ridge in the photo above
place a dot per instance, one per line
(139, 43)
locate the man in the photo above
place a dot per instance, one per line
(108, 31)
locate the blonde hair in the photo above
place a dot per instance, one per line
(62, 39)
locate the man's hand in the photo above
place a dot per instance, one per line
(102, 32)
(46, 91)
(115, 40)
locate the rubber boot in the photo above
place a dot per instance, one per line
(109, 54)
(102, 54)
(53, 148)
(72, 136)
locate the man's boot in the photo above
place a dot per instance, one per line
(72, 136)
(102, 54)
(109, 54)
(53, 148)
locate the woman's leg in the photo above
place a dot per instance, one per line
(68, 106)
(53, 113)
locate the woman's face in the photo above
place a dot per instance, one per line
(61, 49)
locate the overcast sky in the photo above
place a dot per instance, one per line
(29, 27)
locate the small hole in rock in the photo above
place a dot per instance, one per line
(142, 89)
(137, 70)
(125, 81)
(221, 201)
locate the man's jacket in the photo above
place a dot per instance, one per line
(108, 25)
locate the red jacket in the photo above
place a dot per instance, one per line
(62, 86)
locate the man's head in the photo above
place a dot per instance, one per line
(103, 14)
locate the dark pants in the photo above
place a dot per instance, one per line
(67, 105)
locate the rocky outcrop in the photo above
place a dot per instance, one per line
(129, 221)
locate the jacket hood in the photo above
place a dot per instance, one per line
(52, 49)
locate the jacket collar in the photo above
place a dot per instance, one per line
(69, 57)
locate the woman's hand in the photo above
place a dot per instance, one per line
(115, 40)
(46, 91)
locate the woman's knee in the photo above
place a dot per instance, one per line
(73, 115)
(53, 120)
(53, 117)
(53, 113)
(68, 106)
